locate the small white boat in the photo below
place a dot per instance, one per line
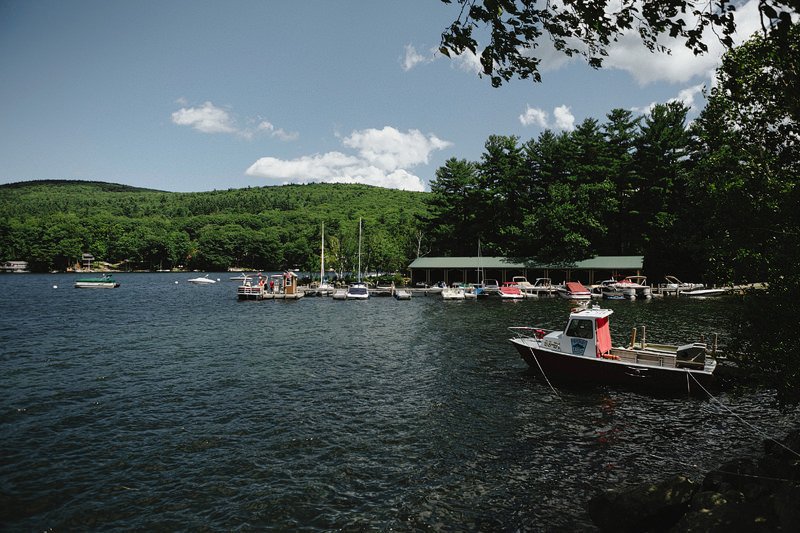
(453, 293)
(607, 290)
(402, 294)
(358, 291)
(674, 284)
(202, 281)
(542, 286)
(491, 286)
(340, 294)
(703, 292)
(634, 287)
(574, 290)
(510, 291)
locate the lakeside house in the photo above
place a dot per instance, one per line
(474, 269)
(14, 266)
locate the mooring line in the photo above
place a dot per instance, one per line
(745, 422)
(544, 375)
(717, 470)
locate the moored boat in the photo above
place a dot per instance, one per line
(607, 290)
(634, 287)
(703, 293)
(357, 291)
(402, 294)
(674, 284)
(453, 293)
(510, 291)
(574, 290)
(583, 353)
(100, 282)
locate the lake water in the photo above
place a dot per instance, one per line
(164, 405)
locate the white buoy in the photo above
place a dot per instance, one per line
(176, 283)
(55, 286)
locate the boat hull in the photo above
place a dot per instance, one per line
(96, 285)
(566, 368)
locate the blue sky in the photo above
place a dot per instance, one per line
(195, 95)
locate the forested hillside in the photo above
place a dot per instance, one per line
(51, 223)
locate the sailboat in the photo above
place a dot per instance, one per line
(358, 290)
(479, 289)
(324, 288)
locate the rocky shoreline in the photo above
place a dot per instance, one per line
(744, 494)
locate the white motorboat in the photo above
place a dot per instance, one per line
(453, 293)
(633, 287)
(574, 290)
(511, 291)
(402, 294)
(205, 280)
(674, 284)
(357, 291)
(702, 293)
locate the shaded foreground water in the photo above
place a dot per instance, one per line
(172, 406)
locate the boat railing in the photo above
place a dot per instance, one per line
(529, 332)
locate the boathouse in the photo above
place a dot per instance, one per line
(431, 270)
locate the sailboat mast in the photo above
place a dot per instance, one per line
(480, 266)
(322, 258)
(359, 249)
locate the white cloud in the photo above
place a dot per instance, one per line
(469, 62)
(279, 133)
(534, 116)
(209, 118)
(391, 149)
(383, 159)
(681, 65)
(411, 58)
(563, 119)
(687, 95)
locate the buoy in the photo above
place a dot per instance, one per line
(176, 283)
(55, 286)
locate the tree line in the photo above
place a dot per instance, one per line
(52, 223)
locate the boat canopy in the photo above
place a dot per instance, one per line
(576, 286)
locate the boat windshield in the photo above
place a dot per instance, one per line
(580, 328)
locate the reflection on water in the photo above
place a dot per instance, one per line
(322, 414)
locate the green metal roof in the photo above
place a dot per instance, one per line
(609, 262)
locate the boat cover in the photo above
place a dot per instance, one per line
(576, 286)
(603, 336)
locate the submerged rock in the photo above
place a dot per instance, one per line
(645, 507)
(744, 494)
